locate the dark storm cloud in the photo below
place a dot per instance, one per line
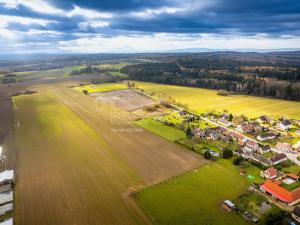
(220, 16)
(111, 5)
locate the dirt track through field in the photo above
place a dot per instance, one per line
(55, 187)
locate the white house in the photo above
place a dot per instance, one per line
(6, 180)
(284, 147)
(264, 149)
(6, 197)
(6, 175)
(224, 122)
(6, 209)
(276, 159)
(265, 137)
(283, 125)
(7, 222)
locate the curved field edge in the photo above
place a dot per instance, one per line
(204, 100)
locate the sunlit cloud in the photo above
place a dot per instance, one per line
(162, 42)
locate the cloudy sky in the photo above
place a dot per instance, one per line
(52, 26)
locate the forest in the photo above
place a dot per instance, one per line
(259, 78)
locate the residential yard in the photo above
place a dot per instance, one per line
(204, 100)
(178, 122)
(195, 197)
(249, 169)
(105, 87)
(252, 201)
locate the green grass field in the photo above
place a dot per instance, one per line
(116, 66)
(69, 69)
(101, 87)
(203, 100)
(157, 128)
(117, 74)
(194, 198)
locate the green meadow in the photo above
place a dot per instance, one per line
(157, 128)
(194, 198)
(116, 66)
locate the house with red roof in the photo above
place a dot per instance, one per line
(276, 191)
(270, 173)
(284, 147)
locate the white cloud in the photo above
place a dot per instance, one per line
(5, 20)
(181, 7)
(163, 42)
(13, 34)
(87, 13)
(155, 12)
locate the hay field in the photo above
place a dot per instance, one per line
(72, 168)
(204, 100)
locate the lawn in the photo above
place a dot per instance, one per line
(194, 198)
(160, 129)
(203, 100)
(105, 87)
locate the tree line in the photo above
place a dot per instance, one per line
(281, 83)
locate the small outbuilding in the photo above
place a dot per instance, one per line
(228, 205)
